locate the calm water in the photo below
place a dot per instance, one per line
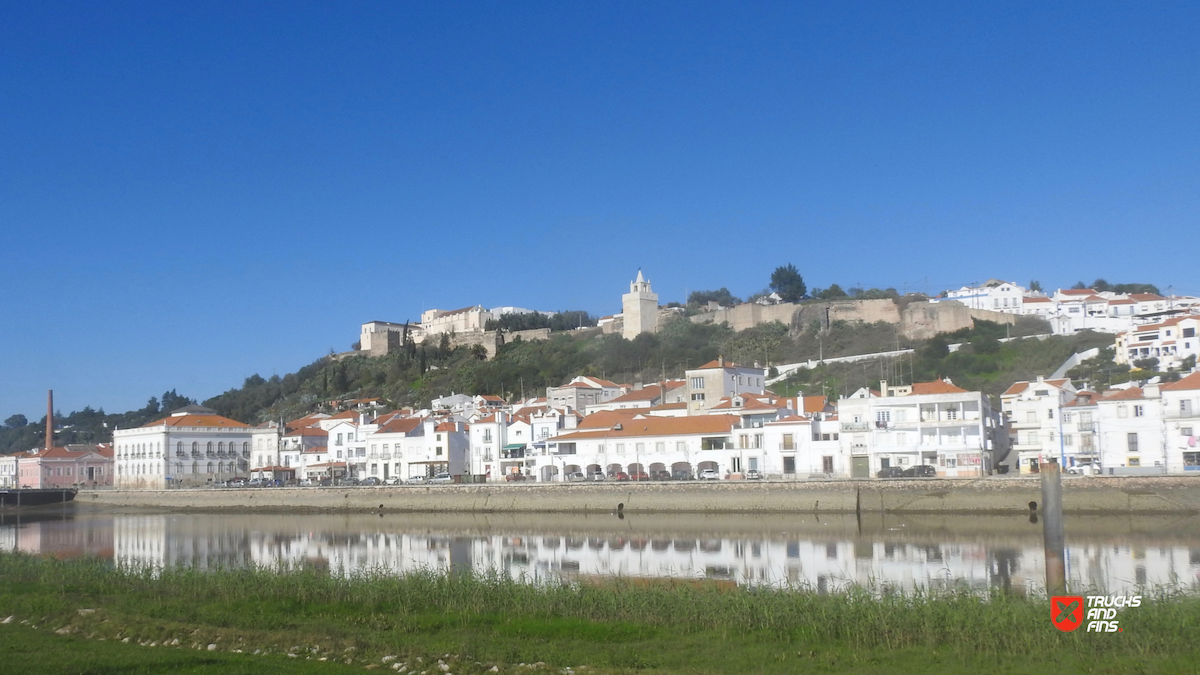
(826, 553)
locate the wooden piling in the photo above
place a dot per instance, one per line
(1052, 528)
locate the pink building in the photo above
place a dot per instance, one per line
(82, 466)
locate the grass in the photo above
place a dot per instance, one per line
(475, 623)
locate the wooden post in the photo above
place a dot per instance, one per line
(1052, 528)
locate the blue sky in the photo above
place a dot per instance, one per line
(191, 193)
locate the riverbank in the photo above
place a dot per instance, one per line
(1000, 495)
(475, 625)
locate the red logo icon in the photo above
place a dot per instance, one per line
(1066, 612)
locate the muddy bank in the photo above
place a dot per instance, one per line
(1081, 495)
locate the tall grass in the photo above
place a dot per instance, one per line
(260, 599)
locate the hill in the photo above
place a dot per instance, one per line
(417, 374)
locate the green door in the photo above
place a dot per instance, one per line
(860, 467)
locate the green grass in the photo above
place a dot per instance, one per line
(483, 621)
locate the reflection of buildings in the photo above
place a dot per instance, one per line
(56, 536)
(825, 563)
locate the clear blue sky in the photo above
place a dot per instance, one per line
(191, 193)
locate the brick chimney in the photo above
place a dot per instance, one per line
(49, 419)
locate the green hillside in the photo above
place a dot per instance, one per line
(418, 373)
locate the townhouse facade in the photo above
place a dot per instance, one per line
(73, 466)
(1173, 342)
(927, 423)
(717, 380)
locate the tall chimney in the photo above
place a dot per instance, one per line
(49, 419)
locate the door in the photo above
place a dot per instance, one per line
(827, 464)
(91, 473)
(860, 467)
(789, 465)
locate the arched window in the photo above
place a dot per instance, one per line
(246, 448)
(210, 447)
(195, 467)
(221, 446)
(179, 448)
(210, 465)
(195, 448)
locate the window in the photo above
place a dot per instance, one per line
(788, 443)
(901, 438)
(660, 447)
(698, 397)
(952, 413)
(1135, 461)
(680, 446)
(697, 383)
(641, 447)
(1031, 416)
(1191, 460)
(1122, 412)
(1189, 332)
(1185, 431)
(620, 448)
(1139, 411)
(1132, 441)
(339, 439)
(1185, 407)
(884, 416)
(1050, 414)
(1066, 417)
(1031, 438)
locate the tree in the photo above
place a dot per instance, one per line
(1079, 286)
(721, 296)
(16, 421)
(834, 292)
(1035, 286)
(787, 282)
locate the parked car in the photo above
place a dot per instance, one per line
(709, 474)
(660, 475)
(1084, 470)
(415, 480)
(754, 474)
(442, 478)
(640, 475)
(349, 481)
(575, 476)
(515, 476)
(681, 474)
(392, 480)
(597, 476)
(619, 475)
(371, 481)
(237, 482)
(890, 472)
(305, 482)
(920, 471)
(326, 482)
(259, 482)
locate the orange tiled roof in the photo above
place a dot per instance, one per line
(1190, 382)
(402, 425)
(197, 421)
(1129, 394)
(1018, 387)
(606, 418)
(815, 404)
(936, 387)
(658, 426)
(307, 431)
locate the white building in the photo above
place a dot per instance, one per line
(192, 446)
(993, 295)
(1181, 416)
(716, 380)
(1036, 424)
(434, 322)
(1170, 341)
(647, 444)
(933, 423)
(8, 471)
(1132, 438)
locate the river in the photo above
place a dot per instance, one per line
(1108, 554)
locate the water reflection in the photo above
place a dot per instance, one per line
(823, 553)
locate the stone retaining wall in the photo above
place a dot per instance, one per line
(1137, 495)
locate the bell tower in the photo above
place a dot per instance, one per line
(640, 309)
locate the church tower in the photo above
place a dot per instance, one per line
(640, 308)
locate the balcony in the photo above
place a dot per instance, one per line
(1086, 426)
(855, 426)
(1181, 414)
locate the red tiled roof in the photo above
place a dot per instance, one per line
(316, 450)
(1129, 394)
(606, 418)
(1078, 291)
(307, 431)
(658, 426)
